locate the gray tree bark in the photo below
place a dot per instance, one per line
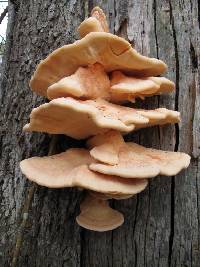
(162, 224)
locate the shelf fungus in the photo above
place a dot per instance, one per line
(111, 51)
(124, 88)
(130, 160)
(68, 115)
(96, 23)
(87, 82)
(71, 169)
(97, 215)
(93, 82)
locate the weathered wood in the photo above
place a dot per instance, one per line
(162, 223)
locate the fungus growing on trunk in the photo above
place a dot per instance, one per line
(96, 23)
(111, 51)
(125, 87)
(70, 169)
(93, 82)
(68, 115)
(133, 160)
(97, 215)
(87, 82)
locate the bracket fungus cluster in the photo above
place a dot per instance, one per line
(87, 83)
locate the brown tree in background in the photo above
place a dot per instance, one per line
(162, 224)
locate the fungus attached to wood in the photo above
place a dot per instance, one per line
(135, 161)
(96, 23)
(105, 147)
(87, 82)
(97, 215)
(125, 87)
(111, 51)
(68, 115)
(70, 169)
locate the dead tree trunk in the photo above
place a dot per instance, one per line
(37, 225)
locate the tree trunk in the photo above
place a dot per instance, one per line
(162, 224)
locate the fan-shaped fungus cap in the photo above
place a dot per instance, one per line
(139, 161)
(170, 163)
(105, 147)
(97, 215)
(86, 83)
(96, 23)
(111, 51)
(70, 169)
(130, 165)
(67, 116)
(128, 88)
(159, 116)
(92, 82)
